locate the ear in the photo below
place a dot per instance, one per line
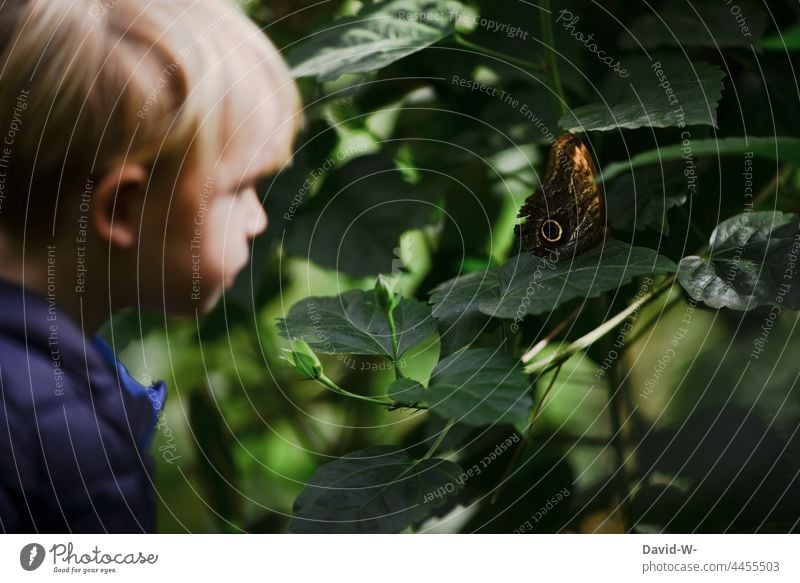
(115, 203)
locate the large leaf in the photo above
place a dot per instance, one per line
(375, 490)
(534, 285)
(642, 198)
(641, 100)
(354, 223)
(456, 308)
(752, 262)
(473, 387)
(701, 23)
(353, 323)
(381, 34)
(784, 149)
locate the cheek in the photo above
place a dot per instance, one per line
(225, 248)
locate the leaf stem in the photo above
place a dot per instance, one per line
(337, 389)
(546, 20)
(671, 303)
(542, 344)
(492, 53)
(393, 333)
(442, 434)
(773, 185)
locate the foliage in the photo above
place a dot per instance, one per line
(752, 262)
(435, 376)
(696, 89)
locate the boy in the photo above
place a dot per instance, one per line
(131, 137)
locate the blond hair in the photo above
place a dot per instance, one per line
(87, 84)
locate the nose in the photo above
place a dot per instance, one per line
(256, 215)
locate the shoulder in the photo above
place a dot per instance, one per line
(32, 379)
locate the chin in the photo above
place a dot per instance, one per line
(208, 302)
(194, 302)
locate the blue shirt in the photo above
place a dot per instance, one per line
(75, 427)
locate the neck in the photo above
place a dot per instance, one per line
(41, 266)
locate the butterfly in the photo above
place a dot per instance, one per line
(565, 215)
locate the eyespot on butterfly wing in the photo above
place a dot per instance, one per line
(565, 215)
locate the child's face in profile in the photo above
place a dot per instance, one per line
(210, 223)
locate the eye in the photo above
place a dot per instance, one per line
(551, 231)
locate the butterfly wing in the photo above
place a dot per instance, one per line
(565, 215)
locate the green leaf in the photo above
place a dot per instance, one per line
(752, 262)
(474, 387)
(375, 490)
(534, 285)
(381, 34)
(703, 23)
(642, 198)
(456, 308)
(353, 323)
(406, 392)
(784, 149)
(642, 101)
(353, 224)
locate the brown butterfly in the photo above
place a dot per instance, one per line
(565, 215)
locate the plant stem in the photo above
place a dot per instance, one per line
(541, 366)
(773, 184)
(616, 406)
(492, 53)
(337, 389)
(398, 374)
(527, 436)
(546, 20)
(539, 346)
(439, 439)
(671, 303)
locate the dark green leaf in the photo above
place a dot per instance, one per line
(642, 198)
(375, 490)
(778, 148)
(456, 308)
(534, 285)
(474, 387)
(381, 34)
(752, 262)
(407, 391)
(354, 223)
(641, 101)
(703, 23)
(353, 323)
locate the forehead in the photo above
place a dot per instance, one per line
(245, 159)
(254, 142)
